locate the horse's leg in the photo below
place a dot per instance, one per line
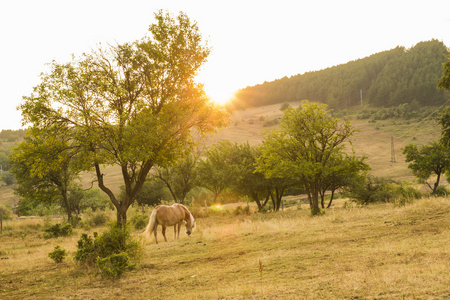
(154, 231)
(179, 227)
(164, 232)
(175, 231)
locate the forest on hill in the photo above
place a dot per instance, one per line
(384, 79)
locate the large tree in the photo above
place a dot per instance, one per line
(132, 105)
(304, 148)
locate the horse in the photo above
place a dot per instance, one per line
(170, 216)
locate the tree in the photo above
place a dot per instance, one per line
(340, 172)
(245, 179)
(7, 177)
(304, 148)
(426, 161)
(444, 81)
(132, 105)
(180, 178)
(217, 172)
(45, 165)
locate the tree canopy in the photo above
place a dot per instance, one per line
(133, 105)
(306, 148)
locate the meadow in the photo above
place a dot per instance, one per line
(380, 251)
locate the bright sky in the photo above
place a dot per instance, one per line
(252, 41)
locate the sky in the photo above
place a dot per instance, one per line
(252, 41)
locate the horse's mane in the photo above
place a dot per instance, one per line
(187, 213)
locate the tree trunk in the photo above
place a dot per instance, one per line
(436, 184)
(331, 199)
(122, 216)
(66, 204)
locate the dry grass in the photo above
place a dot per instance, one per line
(376, 252)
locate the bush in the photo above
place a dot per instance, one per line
(58, 254)
(441, 191)
(93, 219)
(58, 230)
(5, 212)
(139, 221)
(370, 189)
(114, 265)
(242, 210)
(107, 251)
(86, 252)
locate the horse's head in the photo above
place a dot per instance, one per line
(190, 224)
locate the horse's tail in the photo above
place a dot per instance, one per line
(151, 224)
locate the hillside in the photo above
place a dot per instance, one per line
(372, 139)
(385, 79)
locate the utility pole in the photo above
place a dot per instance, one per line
(392, 150)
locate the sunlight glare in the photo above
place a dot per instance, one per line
(220, 95)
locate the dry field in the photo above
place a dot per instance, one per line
(375, 252)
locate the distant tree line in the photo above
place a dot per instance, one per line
(386, 79)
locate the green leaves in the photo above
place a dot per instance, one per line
(134, 105)
(309, 149)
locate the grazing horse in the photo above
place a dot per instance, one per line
(170, 216)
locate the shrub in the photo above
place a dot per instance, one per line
(242, 210)
(58, 254)
(441, 191)
(114, 265)
(86, 252)
(139, 221)
(93, 219)
(57, 230)
(107, 251)
(5, 212)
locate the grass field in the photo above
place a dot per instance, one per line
(375, 252)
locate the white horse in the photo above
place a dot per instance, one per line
(170, 216)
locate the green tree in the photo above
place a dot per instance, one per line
(132, 105)
(304, 148)
(181, 177)
(45, 165)
(7, 177)
(217, 172)
(426, 161)
(340, 172)
(444, 81)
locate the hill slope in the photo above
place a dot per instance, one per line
(388, 78)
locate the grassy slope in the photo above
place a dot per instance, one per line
(378, 252)
(372, 140)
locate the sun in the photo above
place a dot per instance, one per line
(220, 95)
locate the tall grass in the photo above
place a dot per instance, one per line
(379, 251)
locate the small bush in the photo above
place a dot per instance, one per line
(107, 251)
(139, 221)
(57, 230)
(242, 210)
(86, 252)
(441, 191)
(58, 254)
(5, 212)
(93, 219)
(114, 265)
